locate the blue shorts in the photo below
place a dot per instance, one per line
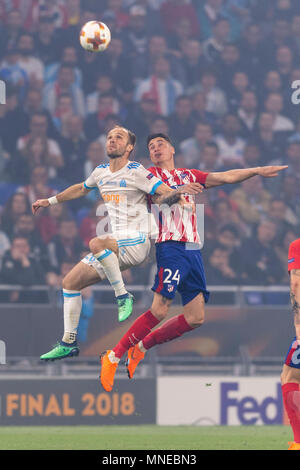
(179, 269)
(293, 356)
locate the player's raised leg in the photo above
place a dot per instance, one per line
(105, 249)
(141, 327)
(192, 317)
(82, 275)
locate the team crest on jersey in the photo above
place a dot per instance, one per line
(185, 178)
(123, 184)
(149, 176)
(170, 288)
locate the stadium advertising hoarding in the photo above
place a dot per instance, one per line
(219, 401)
(224, 331)
(76, 401)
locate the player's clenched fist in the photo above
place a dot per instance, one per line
(39, 203)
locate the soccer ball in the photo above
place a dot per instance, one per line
(94, 36)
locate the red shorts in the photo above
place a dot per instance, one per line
(294, 255)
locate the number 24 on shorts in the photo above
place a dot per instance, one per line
(170, 277)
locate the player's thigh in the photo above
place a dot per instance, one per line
(134, 251)
(104, 242)
(82, 275)
(290, 375)
(194, 311)
(160, 306)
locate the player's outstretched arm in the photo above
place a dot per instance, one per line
(169, 196)
(295, 298)
(72, 192)
(236, 176)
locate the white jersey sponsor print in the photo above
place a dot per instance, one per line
(125, 195)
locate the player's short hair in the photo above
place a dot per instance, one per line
(131, 135)
(158, 134)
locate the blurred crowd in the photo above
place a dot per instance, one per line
(216, 75)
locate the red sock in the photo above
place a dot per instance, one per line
(291, 400)
(140, 328)
(172, 329)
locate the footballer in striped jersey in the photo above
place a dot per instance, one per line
(179, 261)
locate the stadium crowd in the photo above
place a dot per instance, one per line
(215, 75)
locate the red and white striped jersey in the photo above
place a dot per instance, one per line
(294, 255)
(178, 224)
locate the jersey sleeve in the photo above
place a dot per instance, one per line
(90, 182)
(294, 255)
(147, 181)
(200, 176)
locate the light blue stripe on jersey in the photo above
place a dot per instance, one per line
(71, 295)
(132, 244)
(133, 165)
(132, 241)
(88, 187)
(103, 165)
(107, 253)
(155, 187)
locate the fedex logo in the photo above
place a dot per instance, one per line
(237, 408)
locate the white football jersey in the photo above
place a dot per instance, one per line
(124, 193)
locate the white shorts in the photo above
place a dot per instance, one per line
(132, 251)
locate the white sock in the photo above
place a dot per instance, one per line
(110, 264)
(72, 310)
(112, 357)
(141, 346)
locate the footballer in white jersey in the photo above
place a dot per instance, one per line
(123, 184)
(124, 193)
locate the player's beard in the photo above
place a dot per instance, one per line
(115, 154)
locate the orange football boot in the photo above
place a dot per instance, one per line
(135, 355)
(108, 370)
(294, 446)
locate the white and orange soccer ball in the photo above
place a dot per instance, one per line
(94, 36)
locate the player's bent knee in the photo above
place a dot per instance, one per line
(290, 375)
(195, 323)
(159, 314)
(194, 318)
(160, 310)
(95, 245)
(68, 284)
